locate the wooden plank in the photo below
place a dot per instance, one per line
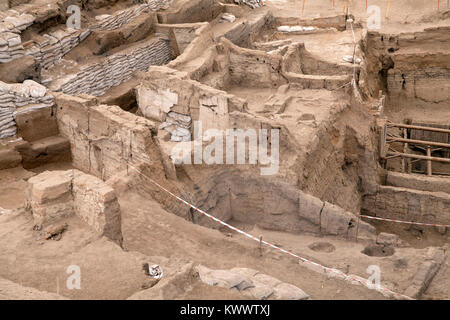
(408, 126)
(429, 170)
(421, 142)
(383, 141)
(416, 156)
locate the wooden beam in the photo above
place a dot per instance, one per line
(392, 157)
(405, 150)
(388, 8)
(429, 170)
(435, 173)
(408, 126)
(408, 160)
(417, 156)
(421, 142)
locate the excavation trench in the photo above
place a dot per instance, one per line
(344, 167)
(340, 170)
(118, 96)
(326, 155)
(413, 95)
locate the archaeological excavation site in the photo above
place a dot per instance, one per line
(224, 150)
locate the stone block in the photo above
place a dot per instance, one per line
(310, 207)
(251, 283)
(286, 291)
(260, 292)
(96, 203)
(266, 280)
(50, 185)
(53, 195)
(221, 278)
(246, 272)
(44, 214)
(9, 159)
(335, 220)
(35, 124)
(18, 70)
(387, 239)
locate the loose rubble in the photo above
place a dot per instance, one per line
(251, 283)
(178, 125)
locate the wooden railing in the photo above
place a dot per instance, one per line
(386, 152)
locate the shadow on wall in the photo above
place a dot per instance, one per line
(243, 196)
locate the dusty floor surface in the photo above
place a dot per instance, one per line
(108, 272)
(34, 268)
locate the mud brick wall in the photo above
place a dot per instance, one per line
(253, 68)
(119, 18)
(429, 85)
(190, 11)
(97, 204)
(203, 42)
(56, 195)
(409, 205)
(97, 78)
(299, 60)
(49, 196)
(273, 205)
(103, 138)
(11, 25)
(337, 22)
(16, 99)
(418, 182)
(165, 94)
(412, 73)
(300, 66)
(184, 33)
(242, 34)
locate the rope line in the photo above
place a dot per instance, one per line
(326, 270)
(406, 222)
